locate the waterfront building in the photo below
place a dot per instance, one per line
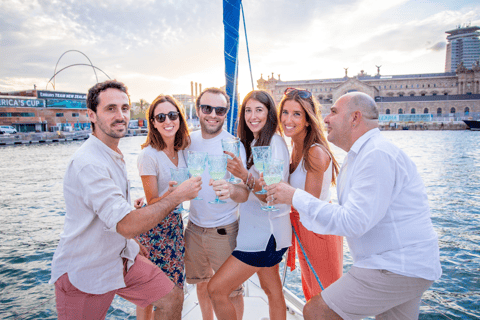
(463, 46)
(40, 111)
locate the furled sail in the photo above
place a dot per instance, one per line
(231, 22)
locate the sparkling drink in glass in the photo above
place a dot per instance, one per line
(217, 167)
(196, 164)
(179, 175)
(232, 145)
(260, 156)
(272, 174)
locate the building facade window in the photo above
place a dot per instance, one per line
(467, 110)
(59, 115)
(387, 111)
(413, 111)
(75, 115)
(425, 110)
(439, 111)
(452, 110)
(400, 111)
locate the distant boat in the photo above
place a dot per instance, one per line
(473, 124)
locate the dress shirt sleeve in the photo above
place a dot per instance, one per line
(103, 196)
(371, 190)
(146, 164)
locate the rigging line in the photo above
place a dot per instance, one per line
(246, 41)
(306, 258)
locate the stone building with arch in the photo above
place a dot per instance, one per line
(449, 94)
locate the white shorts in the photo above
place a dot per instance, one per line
(370, 292)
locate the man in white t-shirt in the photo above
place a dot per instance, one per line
(383, 212)
(211, 232)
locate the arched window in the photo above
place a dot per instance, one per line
(439, 111)
(452, 110)
(388, 111)
(412, 111)
(467, 110)
(425, 110)
(400, 111)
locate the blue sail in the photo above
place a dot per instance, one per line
(231, 23)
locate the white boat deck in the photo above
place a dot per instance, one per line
(255, 301)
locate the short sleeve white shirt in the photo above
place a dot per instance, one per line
(152, 162)
(206, 214)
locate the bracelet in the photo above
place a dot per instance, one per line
(247, 183)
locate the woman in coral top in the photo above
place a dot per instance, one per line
(311, 162)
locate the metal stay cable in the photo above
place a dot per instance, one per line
(246, 41)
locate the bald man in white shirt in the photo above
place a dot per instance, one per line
(383, 212)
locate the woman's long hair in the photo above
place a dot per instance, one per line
(154, 138)
(315, 130)
(271, 125)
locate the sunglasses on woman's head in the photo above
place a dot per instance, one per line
(304, 94)
(219, 111)
(161, 117)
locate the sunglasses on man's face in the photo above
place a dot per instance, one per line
(219, 111)
(161, 117)
(304, 94)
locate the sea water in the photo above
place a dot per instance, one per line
(32, 213)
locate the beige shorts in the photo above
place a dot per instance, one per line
(206, 249)
(369, 292)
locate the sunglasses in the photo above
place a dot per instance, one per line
(161, 117)
(219, 111)
(304, 94)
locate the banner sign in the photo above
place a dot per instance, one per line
(61, 95)
(423, 117)
(28, 103)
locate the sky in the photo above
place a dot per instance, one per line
(159, 47)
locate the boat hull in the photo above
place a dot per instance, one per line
(473, 124)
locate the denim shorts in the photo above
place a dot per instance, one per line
(263, 259)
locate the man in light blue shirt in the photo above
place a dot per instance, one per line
(383, 212)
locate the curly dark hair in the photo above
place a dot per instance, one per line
(154, 138)
(94, 92)
(268, 130)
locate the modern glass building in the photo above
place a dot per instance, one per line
(463, 45)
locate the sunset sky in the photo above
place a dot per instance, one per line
(160, 46)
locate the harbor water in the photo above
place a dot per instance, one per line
(32, 214)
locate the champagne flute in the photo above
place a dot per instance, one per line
(196, 164)
(272, 174)
(260, 156)
(217, 166)
(232, 145)
(179, 175)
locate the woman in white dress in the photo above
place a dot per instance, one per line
(311, 162)
(167, 138)
(263, 236)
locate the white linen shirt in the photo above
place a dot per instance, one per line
(383, 211)
(96, 191)
(256, 225)
(202, 213)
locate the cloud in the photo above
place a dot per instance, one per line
(439, 46)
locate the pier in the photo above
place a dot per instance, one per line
(23, 138)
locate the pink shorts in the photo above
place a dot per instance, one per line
(145, 284)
